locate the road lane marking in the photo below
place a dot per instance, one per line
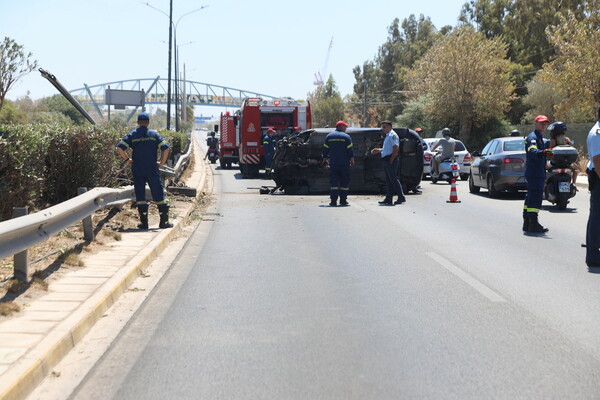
(468, 279)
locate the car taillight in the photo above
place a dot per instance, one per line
(509, 160)
(427, 156)
(467, 157)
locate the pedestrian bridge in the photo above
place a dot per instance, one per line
(194, 93)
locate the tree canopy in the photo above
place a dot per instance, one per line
(14, 64)
(467, 77)
(326, 104)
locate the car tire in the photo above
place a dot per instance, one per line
(472, 187)
(464, 177)
(492, 191)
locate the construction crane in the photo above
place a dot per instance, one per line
(319, 74)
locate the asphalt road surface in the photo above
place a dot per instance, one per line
(292, 299)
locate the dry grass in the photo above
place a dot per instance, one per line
(8, 308)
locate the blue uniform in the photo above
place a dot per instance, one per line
(269, 148)
(144, 143)
(592, 240)
(392, 183)
(338, 148)
(535, 172)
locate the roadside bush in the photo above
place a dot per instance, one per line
(22, 151)
(44, 164)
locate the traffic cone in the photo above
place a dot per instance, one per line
(453, 194)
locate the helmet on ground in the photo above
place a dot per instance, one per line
(557, 128)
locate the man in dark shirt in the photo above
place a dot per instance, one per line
(338, 152)
(144, 143)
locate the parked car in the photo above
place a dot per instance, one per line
(463, 157)
(499, 167)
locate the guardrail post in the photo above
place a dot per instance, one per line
(88, 228)
(21, 264)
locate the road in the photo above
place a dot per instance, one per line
(292, 299)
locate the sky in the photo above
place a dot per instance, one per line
(266, 46)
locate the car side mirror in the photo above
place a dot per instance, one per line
(475, 154)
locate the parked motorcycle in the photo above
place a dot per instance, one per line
(448, 170)
(558, 187)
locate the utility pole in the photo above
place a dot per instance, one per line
(169, 84)
(365, 105)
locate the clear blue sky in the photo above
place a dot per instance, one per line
(267, 46)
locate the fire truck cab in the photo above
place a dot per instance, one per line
(257, 115)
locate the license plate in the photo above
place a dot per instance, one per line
(564, 187)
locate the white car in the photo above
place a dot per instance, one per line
(463, 157)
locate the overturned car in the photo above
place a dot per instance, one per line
(299, 168)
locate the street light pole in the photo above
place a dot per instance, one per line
(172, 34)
(169, 73)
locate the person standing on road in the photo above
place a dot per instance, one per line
(592, 238)
(447, 144)
(144, 143)
(340, 155)
(269, 149)
(535, 174)
(389, 156)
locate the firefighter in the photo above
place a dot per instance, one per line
(340, 156)
(144, 142)
(269, 149)
(535, 173)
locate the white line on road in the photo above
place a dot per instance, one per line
(468, 279)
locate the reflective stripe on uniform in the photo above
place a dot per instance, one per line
(532, 147)
(344, 188)
(124, 143)
(161, 202)
(350, 145)
(325, 145)
(335, 188)
(141, 202)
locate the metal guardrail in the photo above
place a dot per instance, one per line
(19, 234)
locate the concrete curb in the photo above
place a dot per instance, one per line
(37, 364)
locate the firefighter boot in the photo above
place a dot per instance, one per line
(164, 218)
(525, 221)
(143, 210)
(535, 226)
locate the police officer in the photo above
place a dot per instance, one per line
(340, 155)
(144, 143)
(535, 173)
(592, 239)
(269, 150)
(389, 156)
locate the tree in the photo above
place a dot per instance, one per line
(326, 104)
(14, 64)
(379, 85)
(58, 103)
(575, 70)
(522, 23)
(467, 77)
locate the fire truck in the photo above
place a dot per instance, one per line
(257, 115)
(228, 142)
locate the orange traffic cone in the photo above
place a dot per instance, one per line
(453, 194)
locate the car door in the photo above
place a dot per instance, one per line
(486, 159)
(476, 167)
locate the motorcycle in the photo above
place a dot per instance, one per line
(558, 188)
(213, 155)
(448, 170)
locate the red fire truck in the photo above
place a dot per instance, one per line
(257, 115)
(228, 142)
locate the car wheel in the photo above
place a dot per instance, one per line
(472, 187)
(464, 177)
(493, 192)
